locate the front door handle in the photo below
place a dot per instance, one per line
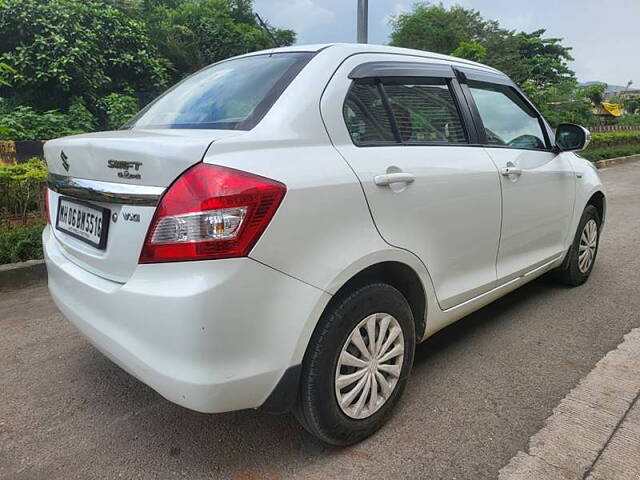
(511, 170)
(389, 178)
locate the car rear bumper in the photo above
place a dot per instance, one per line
(211, 336)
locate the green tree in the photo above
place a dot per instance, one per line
(436, 28)
(471, 51)
(115, 109)
(595, 92)
(538, 64)
(632, 104)
(194, 33)
(525, 57)
(66, 48)
(543, 61)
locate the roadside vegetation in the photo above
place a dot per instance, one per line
(91, 65)
(22, 210)
(612, 145)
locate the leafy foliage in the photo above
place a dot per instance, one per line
(543, 61)
(611, 139)
(595, 92)
(116, 109)
(612, 145)
(525, 57)
(194, 33)
(22, 189)
(88, 58)
(538, 64)
(436, 28)
(633, 119)
(24, 123)
(611, 152)
(21, 244)
(65, 48)
(471, 51)
(5, 72)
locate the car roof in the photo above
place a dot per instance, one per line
(343, 50)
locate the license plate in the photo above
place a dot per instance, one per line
(83, 221)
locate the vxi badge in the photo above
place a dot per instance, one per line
(126, 168)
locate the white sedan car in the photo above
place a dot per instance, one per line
(279, 230)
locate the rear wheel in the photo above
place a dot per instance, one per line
(582, 255)
(357, 365)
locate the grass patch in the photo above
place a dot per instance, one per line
(21, 243)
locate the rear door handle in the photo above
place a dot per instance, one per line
(389, 178)
(511, 170)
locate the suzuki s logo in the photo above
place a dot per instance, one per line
(65, 160)
(129, 169)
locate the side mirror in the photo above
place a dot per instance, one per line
(572, 138)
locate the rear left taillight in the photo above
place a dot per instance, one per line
(211, 212)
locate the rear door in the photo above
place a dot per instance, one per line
(400, 126)
(538, 185)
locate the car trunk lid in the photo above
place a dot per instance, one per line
(109, 183)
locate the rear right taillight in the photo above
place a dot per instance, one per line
(211, 212)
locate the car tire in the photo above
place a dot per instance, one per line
(573, 271)
(334, 342)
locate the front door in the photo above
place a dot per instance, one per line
(428, 191)
(538, 185)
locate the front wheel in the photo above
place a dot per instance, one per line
(356, 365)
(582, 255)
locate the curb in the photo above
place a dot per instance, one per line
(19, 275)
(582, 425)
(614, 161)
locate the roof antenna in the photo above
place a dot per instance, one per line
(266, 29)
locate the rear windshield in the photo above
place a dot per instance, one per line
(233, 94)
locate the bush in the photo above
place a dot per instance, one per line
(116, 109)
(22, 188)
(612, 139)
(24, 123)
(21, 244)
(66, 48)
(611, 152)
(612, 145)
(632, 119)
(79, 118)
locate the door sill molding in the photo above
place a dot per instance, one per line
(506, 284)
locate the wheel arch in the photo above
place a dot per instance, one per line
(599, 201)
(398, 275)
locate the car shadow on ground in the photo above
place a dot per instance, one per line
(497, 311)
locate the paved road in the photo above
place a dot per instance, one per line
(479, 389)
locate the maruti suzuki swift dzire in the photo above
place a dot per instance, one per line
(280, 229)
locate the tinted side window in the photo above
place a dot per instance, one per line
(366, 116)
(425, 112)
(507, 119)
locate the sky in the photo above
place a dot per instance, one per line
(604, 34)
